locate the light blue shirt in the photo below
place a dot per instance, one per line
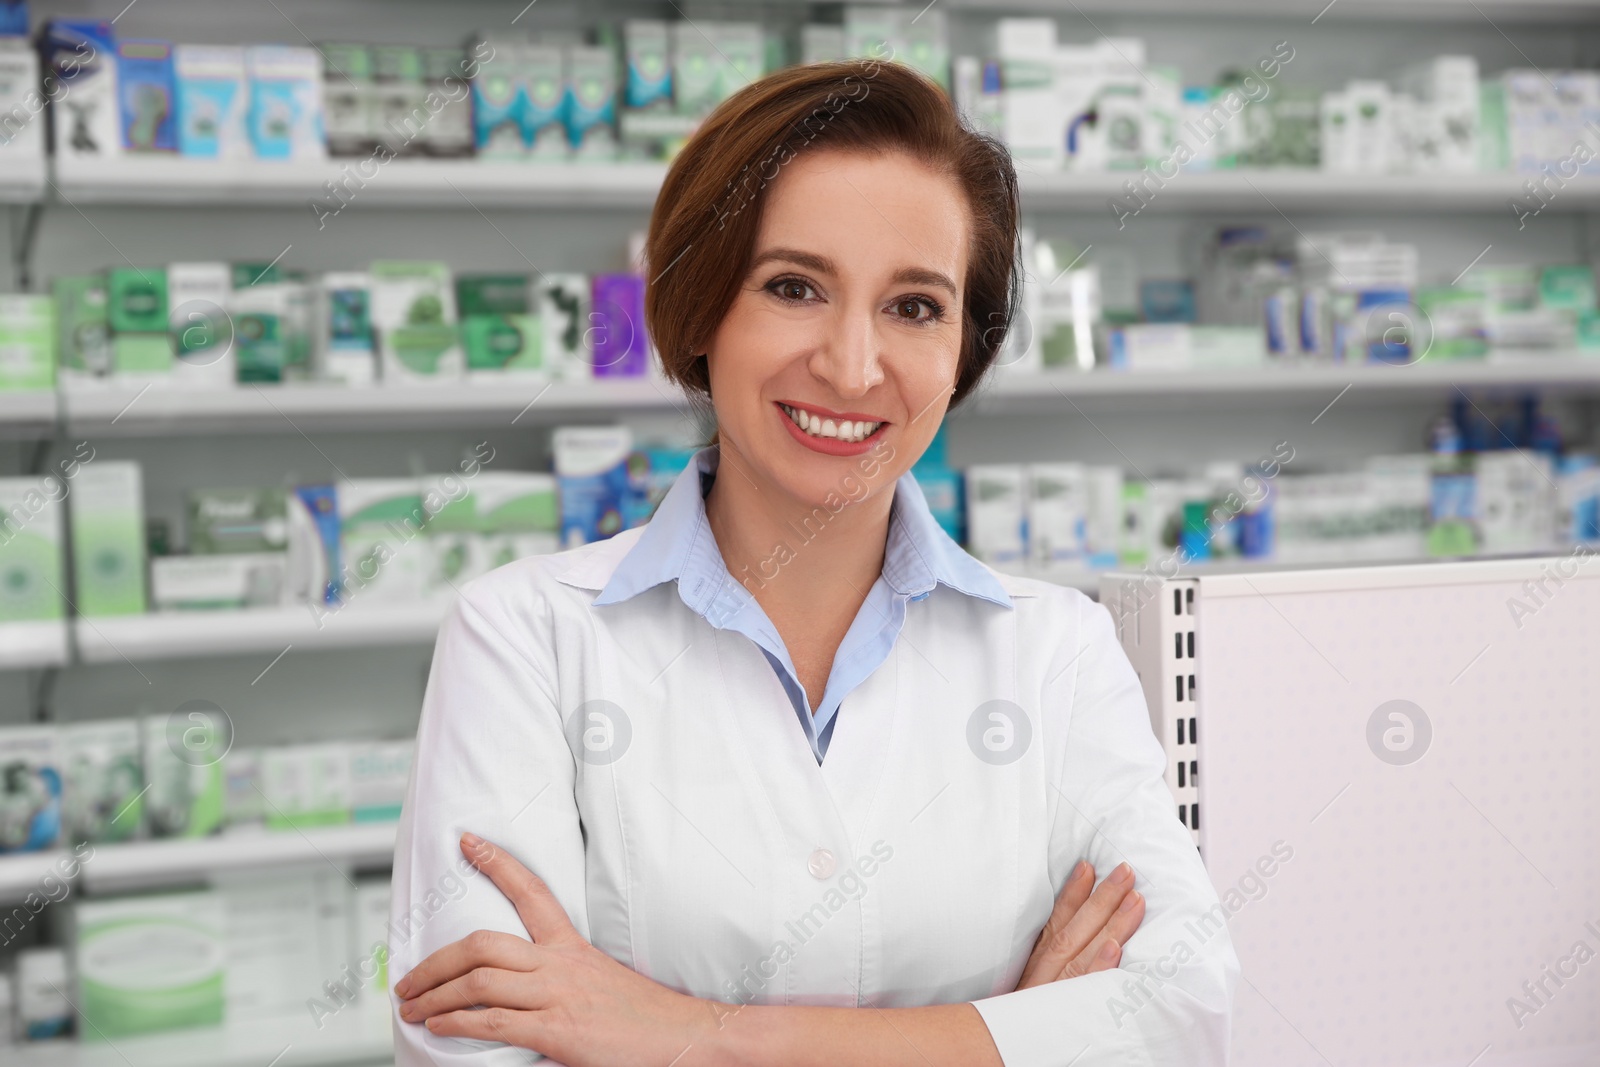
(677, 545)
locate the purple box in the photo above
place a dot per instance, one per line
(621, 347)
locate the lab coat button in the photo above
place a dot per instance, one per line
(821, 863)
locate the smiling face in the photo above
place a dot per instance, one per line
(845, 336)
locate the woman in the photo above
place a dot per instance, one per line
(787, 752)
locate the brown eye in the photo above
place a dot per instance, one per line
(911, 308)
(793, 290)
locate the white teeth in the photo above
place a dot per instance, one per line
(817, 426)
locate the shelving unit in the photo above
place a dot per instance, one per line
(469, 184)
(198, 634)
(290, 409)
(156, 412)
(350, 1038)
(33, 644)
(140, 864)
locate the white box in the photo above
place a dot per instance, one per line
(379, 773)
(21, 126)
(150, 962)
(369, 928)
(383, 543)
(273, 941)
(104, 774)
(1371, 126)
(43, 1008)
(30, 791)
(343, 336)
(232, 581)
(562, 302)
(1103, 516)
(307, 785)
(198, 295)
(996, 513)
(1057, 505)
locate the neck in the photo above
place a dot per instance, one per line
(785, 550)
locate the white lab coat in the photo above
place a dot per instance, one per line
(695, 838)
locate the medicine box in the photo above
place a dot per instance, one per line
(30, 788)
(996, 512)
(382, 539)
(80, 59)
(1057, 498)
(285, 117)
(648, 65)
(343, 350)
(212, 101)
(202, 332)
(104, 790)
(619, 342)
(307, 785)
(83, 338)
(183, 754)
(149, 963)
(27, 342)
(379, 772)
(498, 97)
(31, 529)
(518, 515)
(544, 100)
(22, 118)
(414, 318)
(147, 91)
(236, 580)
(108, 547)
(44, 1010)
(591, 103)
(562, 302)
(348, 99)
(591, 467)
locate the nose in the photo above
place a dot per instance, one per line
(850, 356)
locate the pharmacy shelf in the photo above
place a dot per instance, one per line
(1087, 580)
(467, 183)
(198, 634)
(1315, 11)
(33, 644)
(27, 414)
(294, 409)
(352, 1037)
(1020, 392)
(22, 181)
(470, 184)
(1292, 192)
(143, 864)
(306, 409)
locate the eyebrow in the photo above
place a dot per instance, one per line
(824, 265)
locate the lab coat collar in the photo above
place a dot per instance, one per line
(677, 545)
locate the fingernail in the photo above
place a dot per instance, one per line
(472, 841)
(1129, 902)
(405, 1011)
(402, 987)
(1108, 951)
(432, 1022)
(1078, 871)
(1123, 875)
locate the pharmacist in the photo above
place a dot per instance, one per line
(786, 752)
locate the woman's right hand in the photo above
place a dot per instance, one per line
(1087, 927)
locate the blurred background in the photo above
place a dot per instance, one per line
(315, 310)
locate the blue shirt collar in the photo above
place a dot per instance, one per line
(677, 544)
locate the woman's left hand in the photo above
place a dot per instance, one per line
(559, 996)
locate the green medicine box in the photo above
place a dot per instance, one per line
(137, 300)
(27, 342)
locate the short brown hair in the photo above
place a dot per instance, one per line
(703, 229)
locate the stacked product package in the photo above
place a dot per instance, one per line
(1470, 494)
(1264, 297)
(399, 322)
